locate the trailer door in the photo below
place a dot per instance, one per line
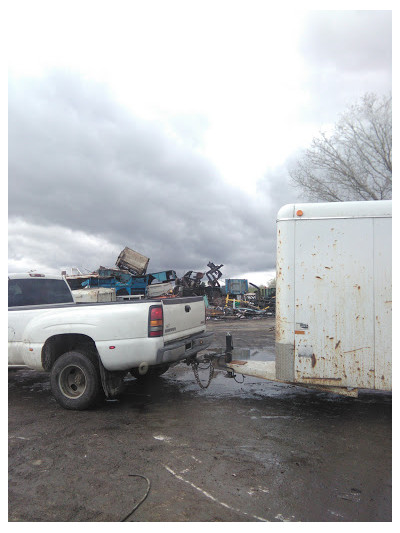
(334, 302)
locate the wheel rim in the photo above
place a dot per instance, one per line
(72, 381)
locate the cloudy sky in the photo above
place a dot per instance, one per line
(169, 127)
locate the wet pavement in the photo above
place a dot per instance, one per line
(236, 452)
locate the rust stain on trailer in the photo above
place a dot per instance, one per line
(337, 345)
(307, 380)
(313, 360)
(357, 349)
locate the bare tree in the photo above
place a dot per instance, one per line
(355, 161)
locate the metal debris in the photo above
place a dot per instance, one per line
(213, 274)
(132, 261)
(129, 280)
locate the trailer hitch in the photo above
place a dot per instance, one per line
(214, 361)
(228, 348)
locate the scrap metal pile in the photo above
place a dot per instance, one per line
(130, 280)
(250, 306)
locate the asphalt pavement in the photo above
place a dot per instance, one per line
(238, 451)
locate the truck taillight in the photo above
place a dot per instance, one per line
(156, 321)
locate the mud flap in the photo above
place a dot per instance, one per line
(112, 382)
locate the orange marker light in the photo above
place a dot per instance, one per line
(299, 213)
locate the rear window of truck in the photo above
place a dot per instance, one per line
(37, 292)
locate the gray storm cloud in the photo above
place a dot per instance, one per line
(88, 177)
(80, 165)
(348, 53)
(351, 41)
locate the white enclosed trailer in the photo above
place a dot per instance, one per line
(333, 298)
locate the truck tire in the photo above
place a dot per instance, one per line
(75, 381)
(152, 373)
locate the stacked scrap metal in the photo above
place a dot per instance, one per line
(129, 279)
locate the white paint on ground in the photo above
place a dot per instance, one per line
(162, 437)
(283, 519)
(208, 495)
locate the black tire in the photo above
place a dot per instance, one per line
(152, 373)
(75, 381)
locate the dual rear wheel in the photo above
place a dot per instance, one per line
(152, 372)
(76, 382)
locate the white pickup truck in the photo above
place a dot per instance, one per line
(89, 348)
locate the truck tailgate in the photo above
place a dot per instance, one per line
(183, 316)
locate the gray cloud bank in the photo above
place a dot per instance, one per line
(87, 178)
(348, 53)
